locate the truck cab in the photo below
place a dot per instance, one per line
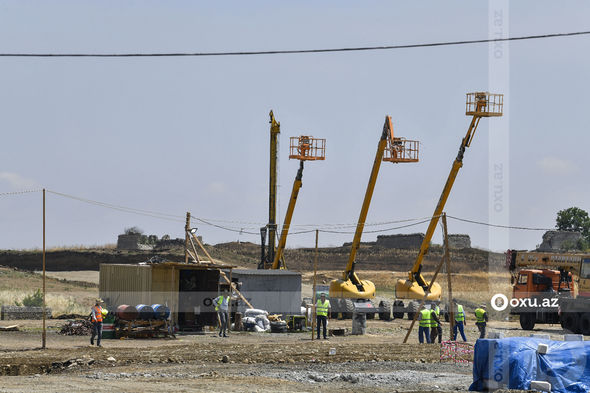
(541, 282)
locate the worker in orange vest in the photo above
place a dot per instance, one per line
(96, 319)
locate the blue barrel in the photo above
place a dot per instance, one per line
(145, 311)
(161, 311)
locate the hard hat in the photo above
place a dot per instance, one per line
(104, 312)
(482, 306)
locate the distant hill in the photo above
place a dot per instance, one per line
(369, 257)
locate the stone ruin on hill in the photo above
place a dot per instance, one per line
(402, 241)
(414, 241)
(133, 242)
(458, 241)
(559, 241)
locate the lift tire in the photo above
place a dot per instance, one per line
(412, 309)
(585, 324)
(371, 315)
(384, 311)
(398, 309)
(527, 320)
(571, 322)
(347, 308)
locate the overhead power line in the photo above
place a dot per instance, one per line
(19, 192)
(149, 213)
(299, 51)
(329, 228)
(500, 226)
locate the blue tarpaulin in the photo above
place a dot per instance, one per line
(514, 362)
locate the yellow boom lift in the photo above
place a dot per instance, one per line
(478, 105)
(350, 286)
(303, 148)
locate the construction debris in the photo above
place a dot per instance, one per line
(79, 327)
(11, 328)
(71, 316)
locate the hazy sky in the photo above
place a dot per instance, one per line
(191, 134)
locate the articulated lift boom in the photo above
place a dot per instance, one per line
(304, 148)
(398, 150)
(478, 105)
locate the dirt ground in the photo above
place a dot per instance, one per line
(255, 361)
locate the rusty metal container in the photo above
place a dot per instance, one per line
(127, 312)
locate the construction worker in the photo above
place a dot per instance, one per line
(424, 318)
(481, 317)
(459, 321)
(322, 311)
(96, 319)
(222, 306)
(435, 328)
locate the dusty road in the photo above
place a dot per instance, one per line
(255, 362)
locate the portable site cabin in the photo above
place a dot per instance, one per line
(187, 289)
(276, 291)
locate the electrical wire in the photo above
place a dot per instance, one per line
(299, 51)
(19, 192)
(148, 213)
(240, 230)
(379, 230)
(500, 226)
(329, 228)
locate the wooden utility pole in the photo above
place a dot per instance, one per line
(187, 228)
(447, 257)
(315, 271)
(44, 334)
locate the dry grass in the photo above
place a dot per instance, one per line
(59, 304)
(90, 276)
(77, 247)
(63, 297)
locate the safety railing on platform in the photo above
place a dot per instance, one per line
(484, 104)
(307, 148)
(401, 150)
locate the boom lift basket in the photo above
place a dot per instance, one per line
(401, 150)
(307, 148)
(489, 104)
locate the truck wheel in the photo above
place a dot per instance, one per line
(398, 309)
(571, 322)
(527, 321)
(585, 324)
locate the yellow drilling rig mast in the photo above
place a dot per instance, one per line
(267, 257)
(302, 148)
(478, 105)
